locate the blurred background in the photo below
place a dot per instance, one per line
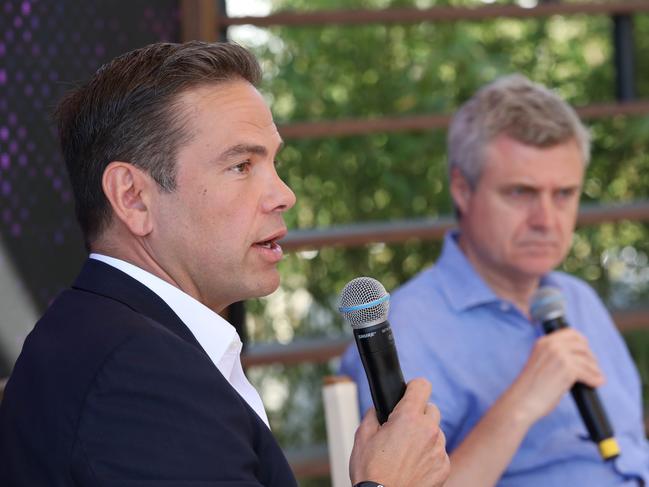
(362, 91)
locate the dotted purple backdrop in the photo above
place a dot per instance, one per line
(46, 47)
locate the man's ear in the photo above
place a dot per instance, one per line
(128, 190)
(460, 190)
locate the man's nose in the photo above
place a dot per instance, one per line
(541, 213)
(280, 197)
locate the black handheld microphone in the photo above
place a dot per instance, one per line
(364, 303)
(548, 308)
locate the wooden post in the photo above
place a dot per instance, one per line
(198, 20)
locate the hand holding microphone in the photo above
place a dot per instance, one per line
(409, 449)
(548, 309)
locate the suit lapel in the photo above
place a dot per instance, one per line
(100, 278)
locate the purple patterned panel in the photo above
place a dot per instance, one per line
(45, 48)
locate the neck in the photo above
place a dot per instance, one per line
(515, 288)
(141, 255)
(135, 255)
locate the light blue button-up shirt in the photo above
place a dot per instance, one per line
(452, 329)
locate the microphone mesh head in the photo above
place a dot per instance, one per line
(547, 304)
(364, 302)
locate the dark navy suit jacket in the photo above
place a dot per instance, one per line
(112, 389)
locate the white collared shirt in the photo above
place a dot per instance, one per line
(217, 337)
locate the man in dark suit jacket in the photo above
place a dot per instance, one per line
(131, 378)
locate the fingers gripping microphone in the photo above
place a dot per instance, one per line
(364, 303)
(548, 309)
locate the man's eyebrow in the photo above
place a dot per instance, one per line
(532, 187)
(511, 185)
(569, 187)
(240, 149)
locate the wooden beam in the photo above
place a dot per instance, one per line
(597, 213)
(419, 123)
(439, 14)
(631, 320)
(359, 234)
(314, 350)
(607, 110)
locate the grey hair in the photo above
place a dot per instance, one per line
(512, 105)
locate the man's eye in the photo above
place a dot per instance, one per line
(520, 191)
(242, 167)
(565, 193)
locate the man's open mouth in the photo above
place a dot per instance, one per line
(268, 244)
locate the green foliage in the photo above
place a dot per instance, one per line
(366, 71)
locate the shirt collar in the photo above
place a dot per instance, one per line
(463, 287)
(214, 334)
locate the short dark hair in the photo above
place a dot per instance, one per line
(129, 111)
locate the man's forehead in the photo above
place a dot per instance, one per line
(222, 95)
(229, 108)
(508, 159)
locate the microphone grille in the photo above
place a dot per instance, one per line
(547, 304)
(364, 302)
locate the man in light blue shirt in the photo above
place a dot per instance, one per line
(517, 156)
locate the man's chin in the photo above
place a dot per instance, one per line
(265, 285)
(537, 267)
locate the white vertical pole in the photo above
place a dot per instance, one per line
(342, 419)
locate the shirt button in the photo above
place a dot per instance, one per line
(504, 307)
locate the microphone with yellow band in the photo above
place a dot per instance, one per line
(548, 308)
